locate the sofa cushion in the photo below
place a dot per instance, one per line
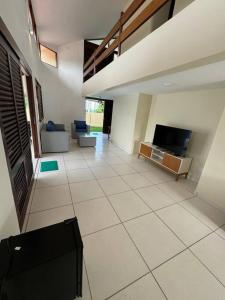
(59, 127)
(80, 124)
(50, 126)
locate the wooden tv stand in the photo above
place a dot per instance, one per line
(177, 165)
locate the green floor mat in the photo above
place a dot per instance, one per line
(47, 166)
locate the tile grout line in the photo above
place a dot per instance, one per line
(187, 248)
(88, 281)
(120, 290)
(71, 198)
(135, 246)
(190, 212)
(153, 211)
(51, 208)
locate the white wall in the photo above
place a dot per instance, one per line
(199, 111)
(123, 121)
(8, 219)
(129, 120)
(153, 23)
(62, 86)
(143, 109)
(211, 186)
(184, 42)
(180, 5)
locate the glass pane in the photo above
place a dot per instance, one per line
(48, 56)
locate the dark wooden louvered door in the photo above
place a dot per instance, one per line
(40, 102)
(14, 127)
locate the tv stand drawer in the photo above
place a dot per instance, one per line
(145, 150)
(171, 162)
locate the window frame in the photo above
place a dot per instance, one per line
(33, 21)
(56, 55)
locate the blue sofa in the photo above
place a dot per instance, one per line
(78, 127)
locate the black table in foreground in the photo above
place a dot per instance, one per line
(44, 264)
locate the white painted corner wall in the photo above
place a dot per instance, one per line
(199, 111)
(62, 99)
(129, 120)
(211, 186)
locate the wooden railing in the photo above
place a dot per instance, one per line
(118, 35)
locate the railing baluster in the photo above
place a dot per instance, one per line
(102, 52)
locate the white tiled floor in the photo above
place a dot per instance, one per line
(145, 236)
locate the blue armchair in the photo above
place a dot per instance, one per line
(78, 127)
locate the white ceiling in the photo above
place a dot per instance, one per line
(63, 21)
(207, 76)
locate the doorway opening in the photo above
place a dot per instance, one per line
(95, 115)
(99, 115)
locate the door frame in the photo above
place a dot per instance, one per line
(103, 100)
(33, 115)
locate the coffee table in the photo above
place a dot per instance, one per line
(86, 140)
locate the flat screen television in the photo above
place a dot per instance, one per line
(172, 139)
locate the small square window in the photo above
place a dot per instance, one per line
(48, 56)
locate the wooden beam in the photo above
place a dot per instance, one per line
(124, 18)
(146, 14)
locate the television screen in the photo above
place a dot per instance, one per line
(172, 138)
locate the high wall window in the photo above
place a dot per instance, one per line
(48, 56)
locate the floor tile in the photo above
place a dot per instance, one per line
(136, 180)
(95, 215)
(188, 184)
(145, 288)
(114, 161)
(211, 251)
(51, 156)
(175, 191)
(49, 217)
(208, 214)
(184, 277)
(86, 295)
(113, 185)
(188, 228)
(128, 205)
(112, 261)
(153, 239)
(51, 179)
(75, 155)
(157, 175)
(96, 163)
(123, 169)
(103, 172)
(85, 190)
(140, 166)
(221, 232)
(79, 175)
(75, 164)
(50, 197)
(154, 197)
